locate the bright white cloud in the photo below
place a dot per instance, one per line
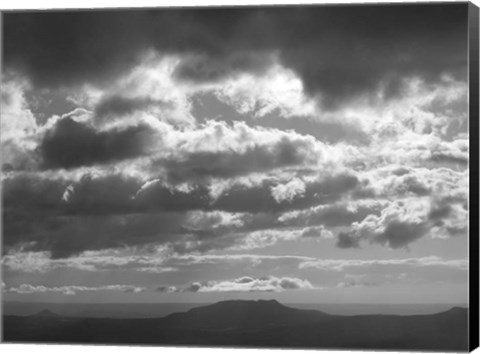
(289, 190)
(17, 119)
(244, 284)
(277, 89)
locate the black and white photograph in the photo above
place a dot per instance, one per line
(255, 176)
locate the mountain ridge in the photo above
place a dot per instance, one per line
(240, 323)
(243, 314)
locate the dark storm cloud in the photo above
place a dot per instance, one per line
(157, 196)
(339, 51)
(399, 234)
(66, 236)
(108, 194)
(350, 55)
(444, 217)
(439, 212)
(450, 158)
(347, 240)
(31, 192)
(97, 212)
(66, 48)
(97, 194)
(116, 193)
(396, 234)
(72, 144)
(198, 166)
(207, 69)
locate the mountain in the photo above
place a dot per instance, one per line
(237, 314)
(456, 310)
(45, 313)
(252, 324)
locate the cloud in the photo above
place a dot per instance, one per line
(17, 119)
(98, 212)
(198, 166)
(210, 150)
(72, 144)
(29, 191)
(269, 195)
(356, 56)
(134, 165)
(404, 221)
(347, 240)
(166, 289)
(101, 212)
(95, 193)
(356, 284)
(146, 259)
(243, 284)
(65, 234)
(398, 234)
(117, 105)
(342, 213)
(393, 181)
(425, 149)
(162, 260)
(342, 264)
(456, 152)
(74, 212)
(150, 259)
(362, 70)
(75, 234)
(277, 92)
(204, 68)
(18, 124)
(72, 289)
(317, 231)
(288, 191)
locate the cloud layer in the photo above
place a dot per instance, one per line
(243, 284)
(286, 141)
(356, 55)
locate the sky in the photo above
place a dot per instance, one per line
(305, 154)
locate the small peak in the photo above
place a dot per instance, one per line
(45, 313)
(271, 302)
(457, 309)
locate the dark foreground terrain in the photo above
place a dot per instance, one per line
(252, 324)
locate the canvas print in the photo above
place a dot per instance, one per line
(255, 176)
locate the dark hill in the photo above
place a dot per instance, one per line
(461, 311)
(45, 313)
(243, 314)
(253, 324)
